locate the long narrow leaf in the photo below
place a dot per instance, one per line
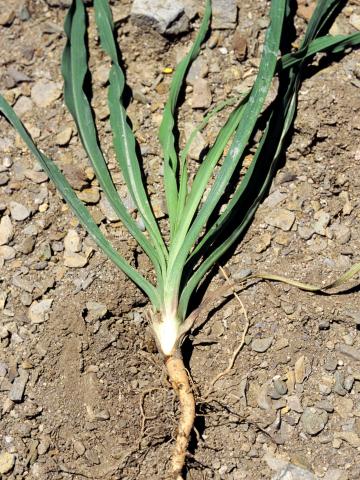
(184, 239)
(77, 206)
(166, 133)
(75, 69)
(124, 140)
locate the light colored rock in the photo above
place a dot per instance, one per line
(300, 370)
(38, 311)
(6, 230)
(260, 345)
(314, 420)
(352, 438)
(72, 242)
(101, 74)
(90, 195)
(224, 14)
(23, 105)
(7, 253)
(199, 69)
(18, 387)
(64, 137)
(75, 260)
(280, 218)
(355, 21)
(201, 96)
(322, 220)
(166, 16)
(96, 311)
(44, 94)
(18, 211)
(7, 462)
(198, 143)
(293, 472)
(36, 177)
(107, 209)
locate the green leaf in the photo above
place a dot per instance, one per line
(167, 127)
(75, 69)
(77, 206)
(124, 140)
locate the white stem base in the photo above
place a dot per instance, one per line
(166, 329)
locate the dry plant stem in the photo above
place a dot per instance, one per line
(180, 382)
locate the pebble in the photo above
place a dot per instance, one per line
(166, 16)
(198, 143)
(314, 420)
(300, 372)
(7, 462)
(199, 69)
(293, 472)
(352, 438)
(322, 221)
(27, 245)
(330, 364)
(7, 17)
(64, 137)
(260, 345)
(349, 351)
(294, 403)
(6, 230)
(90, 195)
(96, 311)
(18, 387)
(201, 96)
(79, 447)
(280, 218)
(342, 233)
(72, 242)
(7, 253)
(224, 14)
(280, 386)
(74, 260)
(38, 311)
(305, 232)
(4, 178)
(44, 94)
(18, 211)
(349, 383)
(107, 209)
(339, 383)
(36, 176)
(239, 44)
(355, 21)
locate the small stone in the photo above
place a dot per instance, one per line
(90, 195)
(6, 230)
(314, 420)
(64, 137)
(280, 218)
(199, 69)
(224, 14)
(4, 178)
(351, 438)
(166, 16)
(198, 143)
(349, 351)
(101, 74)
(280, 386)
(6, 18)
(294, 403)
(27, 245)
(75, 260)
(45, 93)
(201, 96)
(263, 242)
(72, 242)
(300, 373)
(107, 209)
(7, 253)
(355, 21)
(305, 232)
(96, 311)
(38, 312)
(7, 462)
(322, 221)
(342, 233)
(325, 405)
(36, 177)
(262, 398)
(18, 211)
(79, 447)
(349, 383)
(330, 364)
(18, 387)
(239, 44)
(339, 383)
(260, 345)
(305, 11)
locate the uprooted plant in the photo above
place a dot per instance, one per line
(204, 219)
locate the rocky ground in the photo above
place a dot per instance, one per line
(82, 391)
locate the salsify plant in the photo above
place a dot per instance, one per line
(204, 219)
